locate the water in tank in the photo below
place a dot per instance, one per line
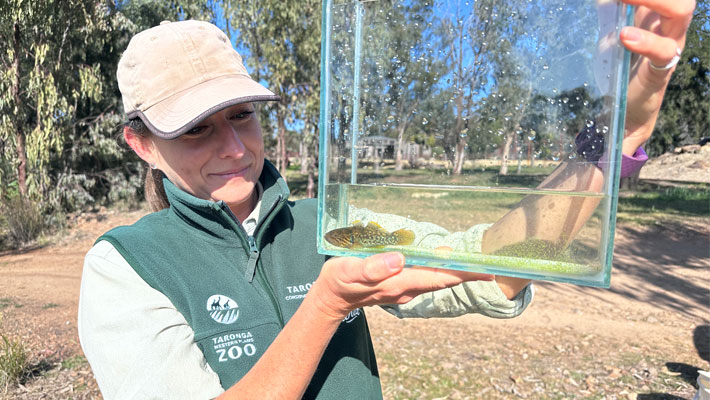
(479, 135)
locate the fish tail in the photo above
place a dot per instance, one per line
(404, 237)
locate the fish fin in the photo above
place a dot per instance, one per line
(375, 225)
(404, 237)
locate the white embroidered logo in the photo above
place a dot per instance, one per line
(352, 315)
(222, 309)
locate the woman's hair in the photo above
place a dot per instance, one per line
(153, 185)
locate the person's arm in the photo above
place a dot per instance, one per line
(125, 323)
(344, 284)
(659, 33)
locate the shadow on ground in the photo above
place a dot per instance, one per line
(665, 263)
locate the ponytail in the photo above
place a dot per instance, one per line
(154, 190)
(153, 185)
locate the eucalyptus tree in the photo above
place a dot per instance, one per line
(540, 56)
(685, 115)
(400, 68)
(283, 43)
(44, 84)
(469, 33)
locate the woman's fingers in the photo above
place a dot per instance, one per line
(368, 271)
(347, 282)
(660, 29)
(462, 276)
(381, 266)
(659, 34)
(659, 50)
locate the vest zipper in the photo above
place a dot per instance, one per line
(268, 217)
(254, 257)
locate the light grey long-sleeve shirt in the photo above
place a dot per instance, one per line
(155, 356)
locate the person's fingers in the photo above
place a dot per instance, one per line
(381, 266)
(657, 49)
(460, 275)
(669, 19)
(665, 8)
(368, 271)
(416, 280)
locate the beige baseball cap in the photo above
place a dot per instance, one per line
(178, 73)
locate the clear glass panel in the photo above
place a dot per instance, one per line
(450, 131)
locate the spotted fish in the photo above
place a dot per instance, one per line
(360, 235)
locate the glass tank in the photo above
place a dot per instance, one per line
(479, 135)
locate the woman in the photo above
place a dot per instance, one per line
(206, 297)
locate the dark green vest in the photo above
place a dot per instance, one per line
(237, 292)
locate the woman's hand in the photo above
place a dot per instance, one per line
(659, 33)
(347, 283)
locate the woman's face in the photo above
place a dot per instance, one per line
(221, 158)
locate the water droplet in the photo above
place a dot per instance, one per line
(545, 67)
(390, 119)
(425, 121)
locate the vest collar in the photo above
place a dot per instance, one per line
(214, 218)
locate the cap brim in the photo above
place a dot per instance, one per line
(179, 113)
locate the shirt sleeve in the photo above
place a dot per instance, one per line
(482, 297)
(137, 343)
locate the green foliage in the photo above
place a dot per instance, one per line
(685, 115)
(22, 220)
(61, 111)
(74, 362)
(60, 106)
(283, 43)
(13, 361)
(682, 201)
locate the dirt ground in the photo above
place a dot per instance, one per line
(643, 338)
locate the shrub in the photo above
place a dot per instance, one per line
(13, 361)
(22, 220)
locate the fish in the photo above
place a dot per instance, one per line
(371, 235)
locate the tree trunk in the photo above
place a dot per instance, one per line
(281, 147)
(506, 153)
(377, 159)
(530, 153)
(303, 150)
(398, 149)
(459, 156)
(19, 134)
(310, 187)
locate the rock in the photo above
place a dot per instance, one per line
(700, 164)
(691, 148)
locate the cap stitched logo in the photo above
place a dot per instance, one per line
(222, 309)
